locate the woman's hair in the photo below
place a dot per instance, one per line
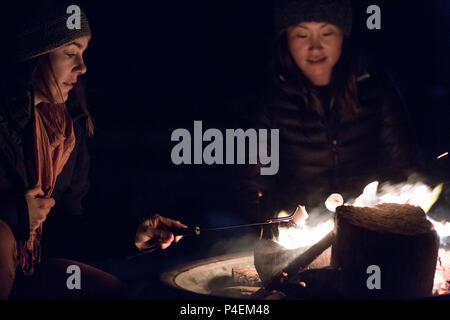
(42, 76)
(293, 82)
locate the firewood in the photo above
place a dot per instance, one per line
(246, 277)
(272, 261)
(316, 253)
(270, 258)
(396, 238)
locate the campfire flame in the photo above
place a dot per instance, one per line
(303, 236)
(417, 194)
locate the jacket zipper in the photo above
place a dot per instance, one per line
(332, 139)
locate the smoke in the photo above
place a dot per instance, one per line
(231, 242)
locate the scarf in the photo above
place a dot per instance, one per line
(54, 140)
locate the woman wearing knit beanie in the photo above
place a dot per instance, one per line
(44, 165)
(342, 122)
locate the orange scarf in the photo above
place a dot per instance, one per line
(54, 140)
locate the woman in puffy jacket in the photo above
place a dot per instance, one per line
(342, 122)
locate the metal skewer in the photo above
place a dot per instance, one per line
(196, 230)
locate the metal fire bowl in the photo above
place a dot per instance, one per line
(212, 277)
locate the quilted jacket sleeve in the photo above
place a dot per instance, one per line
(397, 146)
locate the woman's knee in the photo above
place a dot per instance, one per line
(8, 259)
(68, 279)
(8, 245)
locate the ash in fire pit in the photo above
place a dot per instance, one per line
(229, 276)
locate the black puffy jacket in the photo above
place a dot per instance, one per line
(67, 231)
(320, 155)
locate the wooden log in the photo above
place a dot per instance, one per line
(246, 277)
(310, 255)
(396, 238)
(273, 262)
(270, 258)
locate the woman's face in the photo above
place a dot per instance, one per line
(316, 48)
(67, 64)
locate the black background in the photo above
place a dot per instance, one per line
(156, 66)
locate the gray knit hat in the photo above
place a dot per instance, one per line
(293, 12)
(45, 31)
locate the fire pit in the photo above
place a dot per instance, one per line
(397, 235)
(213, 277)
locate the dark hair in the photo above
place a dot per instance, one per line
(292, 81)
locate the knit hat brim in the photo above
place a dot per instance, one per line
(49, 33)
(292, 12)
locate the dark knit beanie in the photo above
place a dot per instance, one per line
(46, 29)
(293, 12)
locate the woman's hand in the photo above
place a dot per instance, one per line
(154, 232)
(38, 207)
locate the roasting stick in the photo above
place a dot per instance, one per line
(196, 230)
(295, 218)
(292, 220)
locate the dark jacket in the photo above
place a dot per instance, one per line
(68, 231)
(320, 155)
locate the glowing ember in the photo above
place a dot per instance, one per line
(441, 283)
(442, 155)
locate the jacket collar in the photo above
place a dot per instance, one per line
(18, 108)
(16, 115)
